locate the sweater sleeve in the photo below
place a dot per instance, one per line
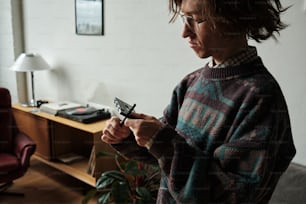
(183, 166)
(258, 150)
(245, 167)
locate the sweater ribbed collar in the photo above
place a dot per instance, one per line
(234, 71)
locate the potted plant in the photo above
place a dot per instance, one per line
(132, 183)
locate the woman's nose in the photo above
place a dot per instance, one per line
(186, 31)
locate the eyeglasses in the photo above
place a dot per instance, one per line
(191, 22)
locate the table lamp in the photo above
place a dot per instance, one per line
(30, 63)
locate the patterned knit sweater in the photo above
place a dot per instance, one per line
(226, 139)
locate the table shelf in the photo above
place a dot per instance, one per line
(56, 136)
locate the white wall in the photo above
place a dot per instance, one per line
(6, 44)
(141, 57)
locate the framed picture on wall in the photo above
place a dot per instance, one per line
(89, 17)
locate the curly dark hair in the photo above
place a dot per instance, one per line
(257, 19)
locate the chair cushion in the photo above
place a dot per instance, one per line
(8, 163)
(16, 148)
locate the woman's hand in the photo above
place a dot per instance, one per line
(144, 127)
(114, 133)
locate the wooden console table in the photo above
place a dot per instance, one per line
(56, 136)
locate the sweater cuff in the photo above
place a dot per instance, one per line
(127, 142)
(162, 141)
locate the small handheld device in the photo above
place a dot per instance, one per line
(124, 109)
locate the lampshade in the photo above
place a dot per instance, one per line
(29, 63)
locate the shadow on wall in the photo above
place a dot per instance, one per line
(77, 89)
(101, 95)
(63, 89)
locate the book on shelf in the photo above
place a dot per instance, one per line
(92, 162)
(70, 158)
(54, 107)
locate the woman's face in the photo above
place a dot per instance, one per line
(204, 38)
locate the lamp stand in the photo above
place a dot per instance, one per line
(32, 101)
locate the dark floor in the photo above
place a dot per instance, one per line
(45, 185)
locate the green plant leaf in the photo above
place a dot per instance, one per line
(114, 186)
(140, 202)
(103, 154)
(114, 174)
(104, 198)
(89, 195)
(144, 193)
(132, 169)
(136, 172)
(120, 192)
(104, 182)
(131, 164)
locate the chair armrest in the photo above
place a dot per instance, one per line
(24, 147)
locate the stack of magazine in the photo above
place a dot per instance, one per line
(54, 107)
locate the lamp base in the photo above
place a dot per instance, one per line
(31, 103)
(27, 105)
